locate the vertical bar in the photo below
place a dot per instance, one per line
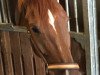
(0, 16)
(91, 47)
(0, 12)
(3, 11)
(8, 12)
(67, 72)
(67, 10)
(94, 36)
(86, 33)
(76, 15)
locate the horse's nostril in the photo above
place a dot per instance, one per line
(35, 29)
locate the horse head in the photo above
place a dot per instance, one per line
(47, 23)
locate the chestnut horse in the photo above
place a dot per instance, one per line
(47, 22)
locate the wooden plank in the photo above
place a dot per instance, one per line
(1, 60)
(1, 64)
(27, 54)
(6, 50)
(10, 27)
(40, 66)
(17, 48)
(16, 53)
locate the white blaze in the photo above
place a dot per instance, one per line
(58, 1)
(51, 19)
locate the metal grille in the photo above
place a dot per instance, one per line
(83, 27)
(4, 12)
(5, 20)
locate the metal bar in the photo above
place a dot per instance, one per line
(67, 10)
(96, 55)
(91, 47)
(93, 37)
(86, 32)
(8, 12)
(3, 11)
(76, 15)
(0, 16)
(0, 12)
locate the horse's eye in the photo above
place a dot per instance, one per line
(35, 29)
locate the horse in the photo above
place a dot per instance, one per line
(46, 21)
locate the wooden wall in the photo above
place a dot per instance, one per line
(17, 56)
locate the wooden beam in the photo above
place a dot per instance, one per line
(11, 27)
